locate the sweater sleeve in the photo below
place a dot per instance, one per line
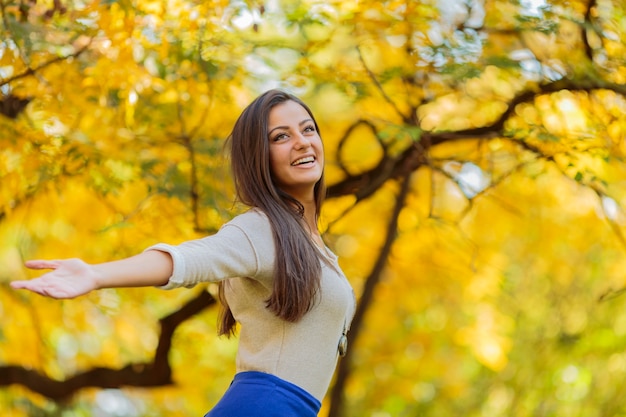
(236, 250)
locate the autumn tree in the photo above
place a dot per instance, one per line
(475, 159)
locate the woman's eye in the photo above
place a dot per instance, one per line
(309, 128)
(279, 137)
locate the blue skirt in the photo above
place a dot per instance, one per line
(257, 394)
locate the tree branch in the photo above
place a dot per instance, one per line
(588, 24)
(346, 135)
(144, 374)
(364, 184)
(365, 301)
(32, 71)
(380, 88)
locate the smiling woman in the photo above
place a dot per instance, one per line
(296, 152)
(277, 278)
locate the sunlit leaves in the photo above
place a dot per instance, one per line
(512, 231)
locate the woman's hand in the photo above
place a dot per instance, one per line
(69, 278)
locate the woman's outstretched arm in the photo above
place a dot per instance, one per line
(71, 278)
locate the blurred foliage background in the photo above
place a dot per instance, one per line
(475, 155)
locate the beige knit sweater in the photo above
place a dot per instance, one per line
(303, 353)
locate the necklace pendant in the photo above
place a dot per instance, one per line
(343, 345)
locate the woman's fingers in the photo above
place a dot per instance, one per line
(69, 278)
(19, 285)
(42, 264)
(34, 284)
(55, 287)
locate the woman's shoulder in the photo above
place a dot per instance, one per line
(255, 226)
(253, 215)
(253, 221)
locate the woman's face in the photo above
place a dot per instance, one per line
(296, 151)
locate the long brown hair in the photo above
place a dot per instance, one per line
(297, 265)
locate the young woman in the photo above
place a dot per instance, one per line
(277, 278)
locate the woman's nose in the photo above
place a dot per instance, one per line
(302, 141)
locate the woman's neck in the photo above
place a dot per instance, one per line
(310, 217)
